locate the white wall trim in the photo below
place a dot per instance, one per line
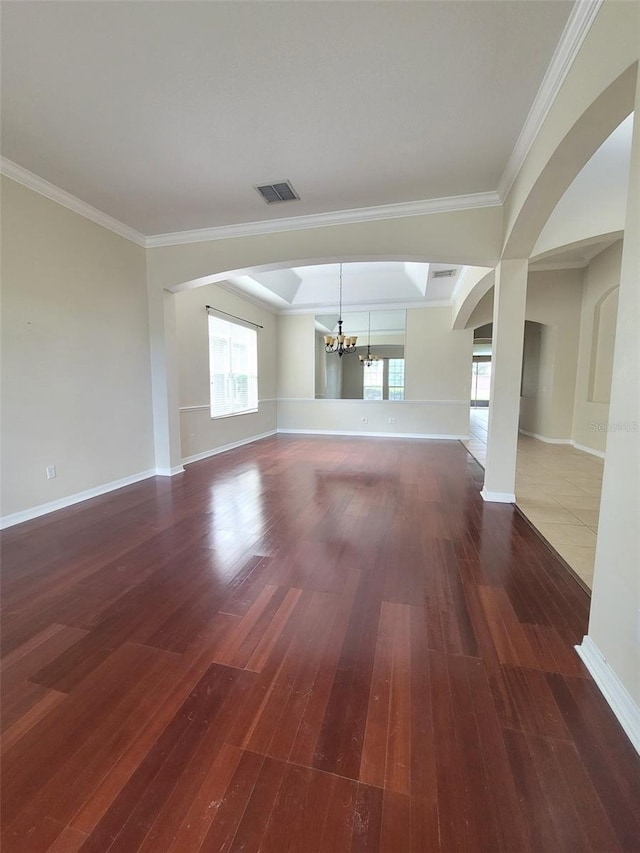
(498, 497)
(549, 266)
(351, 401)
(580, 20)
(338, 217)
(357, 434)
(599, 453)
(223, 448)
(39, 185)
(583, 447)
(613, 690)
(70, 500)
(544, 438)
(378, 304)
(169, 472)
(207, 408)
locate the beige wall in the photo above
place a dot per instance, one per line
(75, 347)
(408, 418)
(538, 368)
(554, 301)
(591, 416)
(437, 358)
(533, 378)
(437, 381)
(321, 367)
(200, 433)
(296, 356)
(462, 236)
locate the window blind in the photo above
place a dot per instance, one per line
(373, 380)
(396, 378)
(233, 367)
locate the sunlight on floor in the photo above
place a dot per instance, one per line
(557, 488)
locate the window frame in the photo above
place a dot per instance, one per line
(389, 386)
(224, 330)
(379, 368)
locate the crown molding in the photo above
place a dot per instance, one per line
(339, 217)
(246, 229)
(377, 305)
(39, 185)
(580, 20)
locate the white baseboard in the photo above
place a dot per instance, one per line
(358, 434)
(169, 472)
(498, 497)
(214, 451)
(613, 690)
(70, 500)
(544, 438)
(570, 441)
(599, 453)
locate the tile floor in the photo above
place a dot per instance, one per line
(557, 488)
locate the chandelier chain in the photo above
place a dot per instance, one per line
(341, 343)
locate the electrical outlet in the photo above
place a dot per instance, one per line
(365, 420)
(51, 472)
(393, 421)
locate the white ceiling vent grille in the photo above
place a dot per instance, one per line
(281, 191)
(444, 273)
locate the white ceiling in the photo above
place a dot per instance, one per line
(165, 115)
(382, 285)
(383, 324)
(377, 285)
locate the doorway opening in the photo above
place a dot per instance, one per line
(481, 367)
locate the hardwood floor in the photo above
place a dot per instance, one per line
(306, 644)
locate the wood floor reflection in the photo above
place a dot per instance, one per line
(305, 644)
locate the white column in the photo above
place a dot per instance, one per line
(506, 369)
(612, 648)
(164, 382)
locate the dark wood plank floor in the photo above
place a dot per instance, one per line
(306, 644)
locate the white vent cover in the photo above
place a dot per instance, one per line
(444, 273)
(280, 191)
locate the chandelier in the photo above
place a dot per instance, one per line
(342, 343)
(368, 359)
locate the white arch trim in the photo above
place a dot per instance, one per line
(596, 96)
(477, 282)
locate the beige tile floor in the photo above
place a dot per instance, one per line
(557, 488)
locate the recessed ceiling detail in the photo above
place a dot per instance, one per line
(280, 191)
(315, 288)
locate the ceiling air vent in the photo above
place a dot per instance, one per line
(444, 273)
(282, 191)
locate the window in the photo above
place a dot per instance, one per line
(480, 380)
(233, 367)
(372, 381)
(384, 380)
(396, 378)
